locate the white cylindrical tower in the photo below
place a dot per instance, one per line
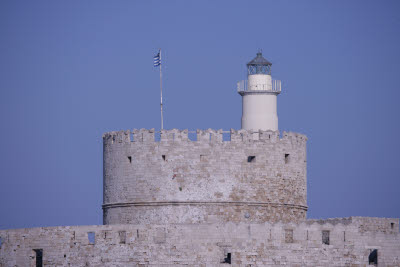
(259, 95)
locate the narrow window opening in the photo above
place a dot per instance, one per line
(325, 237)
(137, 233)
(113, 139)
(287, 158)
(391, 225)
(373, 257)
(39, 257)
(163, 157)
(228, 258)
(122, 237)
(91, 238)
(307, 234)
(65, 255)
(289, 236)
(130, 159)
(251, 159)
(344, 236)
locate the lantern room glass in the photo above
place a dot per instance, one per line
(259, 69)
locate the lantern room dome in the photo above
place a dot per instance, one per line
(259, 60)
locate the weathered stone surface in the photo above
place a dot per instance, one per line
(263, 244)
(181, 181)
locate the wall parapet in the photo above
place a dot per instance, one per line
(208, 135)
(364, 224)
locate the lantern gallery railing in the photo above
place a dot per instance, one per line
(274, 86)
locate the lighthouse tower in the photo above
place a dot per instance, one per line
(259, 95)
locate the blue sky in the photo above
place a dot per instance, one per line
(72, 70)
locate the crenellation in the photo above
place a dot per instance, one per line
(123, 136)
(295, 139)
(272, 136)
(180, 135)
(235, 136)
(203, 136)
(167, 136)
(144, 135)
(245, 136)
(207, 136)
(216, 135)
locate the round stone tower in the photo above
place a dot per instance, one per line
(257, 176)
(259, 96)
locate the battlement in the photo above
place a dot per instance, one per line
(208, 136)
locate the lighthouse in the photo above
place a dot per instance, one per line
(259, 96)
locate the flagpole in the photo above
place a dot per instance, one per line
(161, 105)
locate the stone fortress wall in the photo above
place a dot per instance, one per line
(210, 202)
(332, 242)
(254, 178)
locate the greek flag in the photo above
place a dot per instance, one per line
(157, 59)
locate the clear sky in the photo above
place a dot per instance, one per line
(72, 70)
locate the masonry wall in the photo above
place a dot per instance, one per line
(253, 178)
(350, 242)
